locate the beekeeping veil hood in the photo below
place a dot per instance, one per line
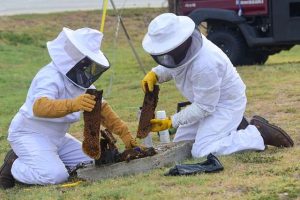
(168, 33)
(77, 55)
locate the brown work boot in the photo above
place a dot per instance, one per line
(6, 178)
(272, 135)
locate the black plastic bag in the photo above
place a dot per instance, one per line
(212, 164)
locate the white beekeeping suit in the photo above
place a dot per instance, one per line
(42, 144)
(208, 80)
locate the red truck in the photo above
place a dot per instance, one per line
(248, 31)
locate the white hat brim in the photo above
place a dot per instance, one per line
(97, 57)
(187, 26)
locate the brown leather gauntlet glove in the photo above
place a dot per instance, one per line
(54, 108)
(117, 126)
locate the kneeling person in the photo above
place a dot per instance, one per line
(205, 77)
(42, 148)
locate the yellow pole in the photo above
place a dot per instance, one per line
(70, 184)
(105, 3)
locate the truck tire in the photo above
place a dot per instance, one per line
(231, 43)
(257, 58)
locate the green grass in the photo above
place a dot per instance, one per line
(273, 91)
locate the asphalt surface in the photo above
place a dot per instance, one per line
(13, 7)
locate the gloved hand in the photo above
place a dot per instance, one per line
(131, 143)
(150, 79)
(54, 108)
(160, 124)
(118, 127)
(84, 102)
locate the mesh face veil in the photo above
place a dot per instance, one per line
(173, 58)
(165, 60)
(86, 72)
(179, 56)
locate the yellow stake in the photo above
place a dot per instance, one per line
(105, 3)
(67, 185)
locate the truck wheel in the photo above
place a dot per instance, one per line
(260, 58)
(231, 43)
(256, 58)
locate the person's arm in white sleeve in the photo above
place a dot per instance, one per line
(206, 89)
(162, 74)
(46, 103)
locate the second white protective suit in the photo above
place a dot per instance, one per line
(209, 81)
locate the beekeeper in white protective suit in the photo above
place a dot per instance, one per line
(205, 76)
(42, 150)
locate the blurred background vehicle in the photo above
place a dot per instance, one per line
(248, 31)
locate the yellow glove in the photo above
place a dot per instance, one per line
(54, 108)
(150, 79)
(160, 124)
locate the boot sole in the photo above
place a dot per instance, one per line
(262, 120)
